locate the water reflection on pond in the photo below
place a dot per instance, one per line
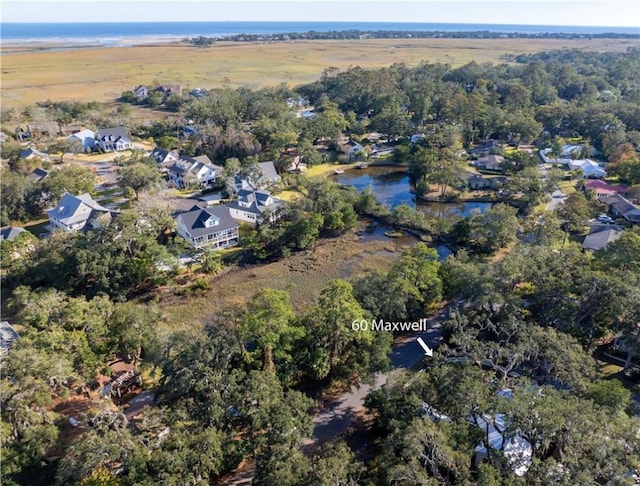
(392, 186)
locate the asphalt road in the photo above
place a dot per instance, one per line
(557, 198)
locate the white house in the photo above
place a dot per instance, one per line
(352, 149)
(589, 168)
(86, 138)
(253, 206)
(165, 158)
(190, 171)
(208, 227)
(78, 213)
(141, 92)
(114, 139)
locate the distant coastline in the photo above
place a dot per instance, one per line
(107, 34)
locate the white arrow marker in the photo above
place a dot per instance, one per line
(427, 350)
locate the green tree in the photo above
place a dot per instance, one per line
(269, 324)
(417, 270)
(335, 464)
(335, 348)
(575, 211)
(138, 176)
(495, 228)
(71, 178)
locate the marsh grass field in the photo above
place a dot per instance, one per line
(102, 74)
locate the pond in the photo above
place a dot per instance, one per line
(392, 186)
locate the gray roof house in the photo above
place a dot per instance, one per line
(600, 237)
(208, 227)
(351, 148)
(490, 162)
(486, 148)
(113, 139)
(165, 158)
(78, 213)
(7, 335)
(141, 92)
(252, 206)
(10, 233)
(268, 176)
(622, 207)
(188, 171)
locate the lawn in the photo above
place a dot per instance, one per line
(102, 74)
(567, 187)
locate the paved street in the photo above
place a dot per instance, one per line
(557, 198)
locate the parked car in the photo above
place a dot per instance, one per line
(603, 218)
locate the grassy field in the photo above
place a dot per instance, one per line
(101, 74)
(303, 275)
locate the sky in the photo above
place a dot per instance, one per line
(606, 13)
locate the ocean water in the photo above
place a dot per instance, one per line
(50, 31)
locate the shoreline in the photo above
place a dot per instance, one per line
(26, 45)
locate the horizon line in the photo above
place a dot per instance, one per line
(315, 22)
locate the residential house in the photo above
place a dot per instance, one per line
(292, 102)
(189, 131)
(208, 227)
(477, 181)
(114, 139)
(603, 189)
(489, 162)
(381, 150)
(7, 335)
(487, 148)
(32, 153)
(193, 171)
(253, 206)
(141, 92)
(352, 149)
(600, 236)
(78, 213)
(267, 176)
(86, 138)
(516, 450)
(69, 129)
(10, 233)
(622, 207)
(37, 175)
(198, 92)
(170, 89)
(307, 114)
(589, 168)
(43, 129)
(165, 158)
